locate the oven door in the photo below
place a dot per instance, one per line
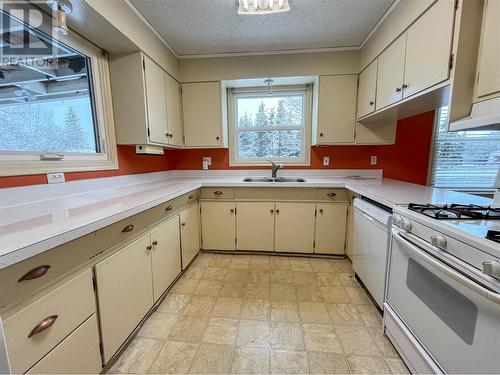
(456, 319)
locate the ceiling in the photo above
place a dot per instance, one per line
(203, 27)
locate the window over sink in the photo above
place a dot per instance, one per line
(270, 125)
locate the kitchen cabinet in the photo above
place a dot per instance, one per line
(336, 109)
(330, 228)
(124, 291)
(190, 234)
(166, 255)
(218, 225)
(367, 89)
(146, 102)
(428, 48)
(489, 53)
(294, 227)
(391, 67)
(255, 226)
(202, 113)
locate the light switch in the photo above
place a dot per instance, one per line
(326, 161)
(373, 160)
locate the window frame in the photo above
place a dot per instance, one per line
(250, 92)
(16, 163)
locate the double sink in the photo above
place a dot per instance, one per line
(279, 179)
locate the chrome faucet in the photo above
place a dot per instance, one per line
(274, 169)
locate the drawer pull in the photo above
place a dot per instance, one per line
(183, 224)
(43, 325)
(191, 197)
(35, 273)
(218, 192)
(149, 248)
(155, 243)
(331, 195)
(169, 208)
(272, 211)
(128, 228)
(321, 211)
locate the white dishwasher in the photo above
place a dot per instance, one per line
(371, 240)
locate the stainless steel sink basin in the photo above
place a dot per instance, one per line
(291, 179)
(267, 179)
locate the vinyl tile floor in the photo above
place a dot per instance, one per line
(258, 314)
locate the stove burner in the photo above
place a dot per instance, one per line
(456, 211)
(493, 235)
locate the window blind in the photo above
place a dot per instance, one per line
(466, 160)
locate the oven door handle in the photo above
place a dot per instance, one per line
(458, 277)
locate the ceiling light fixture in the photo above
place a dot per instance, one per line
(61, 9)
(262, 6)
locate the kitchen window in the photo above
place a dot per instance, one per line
(55, 112)
(270, 125)
(464, 160)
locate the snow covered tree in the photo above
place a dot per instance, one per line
(74, 136)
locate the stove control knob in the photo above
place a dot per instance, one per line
(492, 269)
(396, 220)
(405, 224)
(438, 241)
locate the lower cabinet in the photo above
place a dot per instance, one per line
(330, 228)
(166, 255)
(218, 225)
(255, 226)
(294, 231)
(124, 292)
(190, 234)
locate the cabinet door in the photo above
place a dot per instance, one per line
(190, 234)
(330, 228)
(174, 111)
(337, 109)
(202, 110)
(391, 73)
(125, 293)
(367, 90)
(428, 48)
(255, 226)
(218, 225)
(489, 54)
(156, 102)
(166, 255)
(294, 227)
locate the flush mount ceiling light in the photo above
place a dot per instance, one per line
(263, 6)
(61, 9)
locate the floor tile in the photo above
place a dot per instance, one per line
(236, 275)
(174, 358)
(368, 365)
(313, 312)
(344, 314)
(327, 279)
(280, 263)
(321, 265)
(370, 315)
(257, 290)
(348, 280)
(300, 264)
(158, 326)
(397, 366)
(308, 293)
(208, 288)
(239, 263)
(327, 363)
(286, 311)
(194, 272)
(343, 266)
(382, 342)
(304, 278)
(248, 360)
(259, 276)
(202, 260)
(216, 274)
(283, 292)
(358, 296)
(174, 303)
(221, 331)
(184, 286)
(212, 359)
(200, 306)
(286, 335)
(227, 307)
(255, 309)
(356, 340)
(138, 356)
(234, 289)
(335, 294)
(259, 262)
(281, 277)
(321, 338)
(220, 261)
(288, 362)
(189, 328)
(253, 333)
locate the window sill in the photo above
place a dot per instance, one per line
(29, 168)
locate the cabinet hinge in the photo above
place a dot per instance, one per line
(143, 64)
(94, 284)
(149, 133)
(315, 213)
(452, 60)
(235, 210)
(314, 244)
(235, 240)
(101, 348)
(456, 4)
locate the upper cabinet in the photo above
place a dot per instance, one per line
(146, 102)
(391, 69)
(202, 104)
(367, 90)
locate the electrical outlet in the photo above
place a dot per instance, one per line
(55, 178)
(326, 161)
(207, 159)
(373, 160)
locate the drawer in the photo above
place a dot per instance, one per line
(77, 354)
(68, 306)
(123, 230)
(166, 209)
(33, 274)
(334, 195)
(218, 193)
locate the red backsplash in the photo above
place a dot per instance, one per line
(406, 160)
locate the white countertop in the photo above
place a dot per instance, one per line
(34, 219)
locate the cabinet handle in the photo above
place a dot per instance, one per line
(331, 195)
(232, 210)
(218, 193)
(169, 208)
(372, 102)
(405, 85)
(398, 89)
(43, 325)
(170, 135)
(128, 228)
(35, 273)
(321, 211)
(278, 212)
(217, 138)
(320, 134)
(272, 211)
(149, 247)
(155, 243)
(191, 197)
(183, 224)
